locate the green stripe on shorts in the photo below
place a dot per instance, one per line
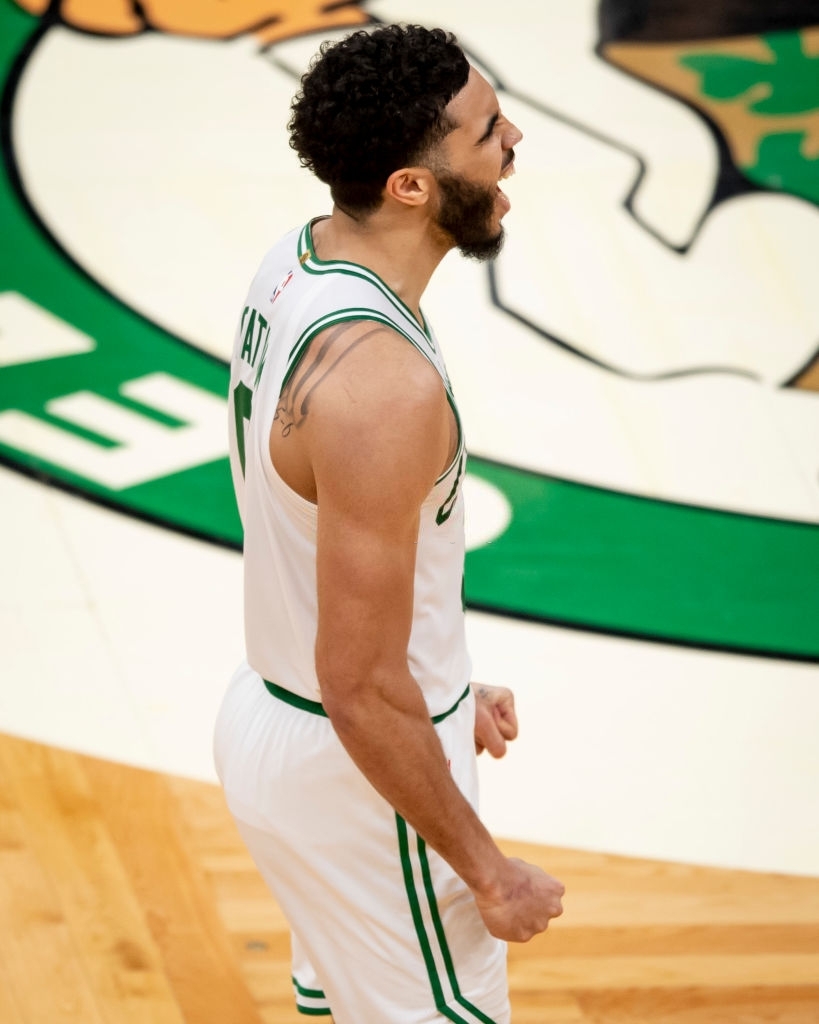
(312, 1002)
(432, 940)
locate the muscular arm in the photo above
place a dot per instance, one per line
(376, 441)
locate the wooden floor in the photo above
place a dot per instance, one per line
(127, 898)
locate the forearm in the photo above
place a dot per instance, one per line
(388, 733)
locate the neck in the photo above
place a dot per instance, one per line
(403, 249)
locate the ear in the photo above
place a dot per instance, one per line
(411, 186)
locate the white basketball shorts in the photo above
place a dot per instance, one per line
(383, 931)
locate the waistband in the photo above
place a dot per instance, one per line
(313, 707)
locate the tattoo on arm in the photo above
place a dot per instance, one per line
(294, 401)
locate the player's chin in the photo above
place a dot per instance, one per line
(502, 202)
(488, 248)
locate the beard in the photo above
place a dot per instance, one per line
(466, 214)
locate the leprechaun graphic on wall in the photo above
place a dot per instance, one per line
(637, 371)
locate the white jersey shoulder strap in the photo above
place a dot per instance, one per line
(344, 292)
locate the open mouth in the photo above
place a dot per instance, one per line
(508, 170)
(505, 174)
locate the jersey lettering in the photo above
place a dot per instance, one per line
(256, 330)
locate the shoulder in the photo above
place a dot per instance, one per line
(378, 413)
(360, 368)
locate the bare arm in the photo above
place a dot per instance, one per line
(375, 444)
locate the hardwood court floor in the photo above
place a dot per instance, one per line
(126, 897)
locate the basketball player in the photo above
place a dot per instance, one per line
(346, 742)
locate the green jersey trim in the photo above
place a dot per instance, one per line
(348, 314)
(313, 707)
(449, 1000)
(311, 264)
(363, 313)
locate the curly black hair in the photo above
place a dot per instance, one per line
(372, 103)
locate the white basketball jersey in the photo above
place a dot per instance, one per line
(293, 297)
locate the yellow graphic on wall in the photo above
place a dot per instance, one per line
(271, 21)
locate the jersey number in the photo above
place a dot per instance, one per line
(242, 404)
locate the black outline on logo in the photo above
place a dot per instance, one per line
(10, 86)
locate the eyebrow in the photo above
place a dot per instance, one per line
(493, 120)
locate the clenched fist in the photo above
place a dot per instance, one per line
(520, 903)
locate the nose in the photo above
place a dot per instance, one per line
(512, 136)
